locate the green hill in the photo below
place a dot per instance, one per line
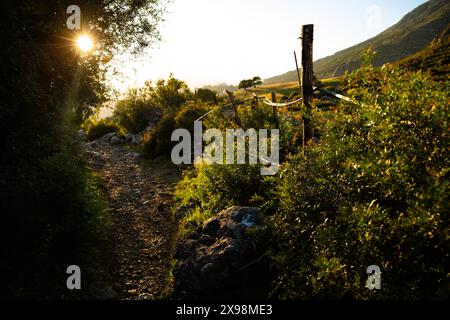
(410, 35)
(435, 58)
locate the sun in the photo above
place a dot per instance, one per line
(85, 43)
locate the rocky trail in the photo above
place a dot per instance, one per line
(143, 229)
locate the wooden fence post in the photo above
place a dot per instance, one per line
(274, 108)
(307, 77)
(235, 107)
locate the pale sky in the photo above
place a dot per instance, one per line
(225, 41)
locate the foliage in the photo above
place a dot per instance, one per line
(133, 111)
(52, 215)
(158, 142)
(208, 189)
(62, 222)
(171, 95)
(249, 83)
(374, 191)
(207, 96)
(97, 129)
(434, 58)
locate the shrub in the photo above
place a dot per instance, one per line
(208, 189)
(374, 191)
(158, 142)
(171, 95)
(98, 129)
(67, 224)
(134, 111)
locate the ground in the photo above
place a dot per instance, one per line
(143, 229)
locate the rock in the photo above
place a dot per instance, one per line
(137, 139)
(218, 259)
(146, 296)
(211, 227)
(81, 135)
(129, 137)
(137, 156)
(107, 137)
(116, 140)
(206, 239)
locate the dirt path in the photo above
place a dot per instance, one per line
(143, 229)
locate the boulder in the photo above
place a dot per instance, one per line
(129, 137)
(117, 140)
(222, 259)
(107, 137)
(136, 139)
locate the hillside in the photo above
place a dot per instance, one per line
(410, 35)
(434, 58)
(219, 88)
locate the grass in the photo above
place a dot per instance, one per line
(283, 89)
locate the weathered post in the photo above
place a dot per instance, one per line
(235, 107)
(307, 78)
(274, 108)
(254, 104)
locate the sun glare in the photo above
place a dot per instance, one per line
(85, 43)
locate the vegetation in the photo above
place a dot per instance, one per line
(371, 188)
(375, 190)
(52, 213)
(97, 129)
(134, 111)
(250, 83)
(207, 96)
(433, 59)
(158, 143)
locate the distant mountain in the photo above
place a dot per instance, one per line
(410, 35)
(434, 58)
(219, 88)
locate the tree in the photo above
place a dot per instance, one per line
(249, 83)
(256, 81)
(171, 95)
(207, 95)
(245, 84)
(50, 213)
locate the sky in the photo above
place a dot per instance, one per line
(207, 42)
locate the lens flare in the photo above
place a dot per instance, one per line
(85, 43)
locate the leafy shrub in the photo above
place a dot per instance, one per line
(261, 117)
(158, 142)
(133, 111)
(374, 191)
(171, 95)
(207, 96)
(208, 189)
(79, 236)
(66, 222)
(98, 129)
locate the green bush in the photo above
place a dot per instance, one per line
(79, 236)
(171, 95)
(60, 224)
(208, 189)
(98, 129)
(158, 142)
(375, 191)
(133, 112)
